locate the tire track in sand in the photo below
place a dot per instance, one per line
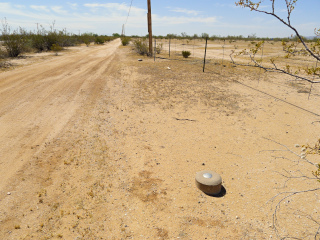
(37, 101)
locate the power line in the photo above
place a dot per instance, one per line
(129, 12)
(123, 25)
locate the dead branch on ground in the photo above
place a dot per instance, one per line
(306, 149)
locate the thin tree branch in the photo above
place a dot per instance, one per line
(274, 69)
(288, 149)
(288, 25)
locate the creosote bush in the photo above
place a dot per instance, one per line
(3, 54)
(159, 48)
(39, 42)
(141, 46)
(186, 54)
(56, 48)
(99, 40)
(86, 38)
(125, 41)
(15, 42)
(43, 40)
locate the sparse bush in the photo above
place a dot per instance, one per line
(87, 39)
(125, 41)
(3, 54)
(205, 35)
(56, 48)
(99, 40)
(43, 40)
(51, 38)
(141, 47)
(67, 40)
(186, 54)
(15, 42)
(159, 48)
(86, 42)
(38, 42)
(19, 41)
(108, 39)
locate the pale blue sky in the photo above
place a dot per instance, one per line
(215, 17)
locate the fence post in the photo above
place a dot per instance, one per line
(261, 62)
(193, 45)
(224, 42)
(169, 45)
(155, 49)
(205, 54)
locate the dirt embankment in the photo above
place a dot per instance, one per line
(95, 144)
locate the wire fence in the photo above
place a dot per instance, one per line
(219, 51)
(196, 47)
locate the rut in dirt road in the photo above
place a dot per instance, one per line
(38, 100)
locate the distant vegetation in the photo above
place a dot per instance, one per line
(251, 37)
(18, 41)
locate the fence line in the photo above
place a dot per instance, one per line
(216, 51)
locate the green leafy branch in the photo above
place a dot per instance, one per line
(254, 6)
(291, 49)
(317, 173)
(313, 150)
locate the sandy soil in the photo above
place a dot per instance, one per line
(97, 145)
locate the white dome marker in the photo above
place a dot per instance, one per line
(209, 182)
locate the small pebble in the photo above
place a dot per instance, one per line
(297, 145)
(8, 193)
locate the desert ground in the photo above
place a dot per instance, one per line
(95, 144)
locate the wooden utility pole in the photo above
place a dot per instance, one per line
(37, 27)
(150, 27)
(123, 33)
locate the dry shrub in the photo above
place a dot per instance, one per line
(141, 47)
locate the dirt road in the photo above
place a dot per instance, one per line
(97, 145)
(38, 101)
